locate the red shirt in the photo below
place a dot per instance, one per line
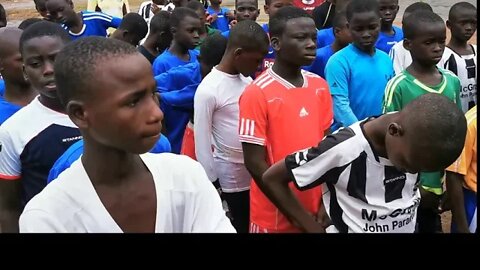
(307, 5)
(283, 118)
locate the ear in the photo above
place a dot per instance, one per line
(395, 130)
(407, 43)
(275, 43)
(448, 24)
(237, 52)
(76, 112)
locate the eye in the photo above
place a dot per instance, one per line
(133, 102)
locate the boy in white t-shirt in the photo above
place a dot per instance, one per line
(109, 91)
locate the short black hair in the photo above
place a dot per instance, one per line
(418, 6)
(339, 19)
(160, 22)
(436, 124)
(459, 6)
(279, 21)
(412, 23)
(27, 22)
(3, 13)
(256, 1)
(195, 5)
(248, 35)
(134, 23)
(179, 14)
(360, 6)
(75, 65)
(212, 49)
(42, 29)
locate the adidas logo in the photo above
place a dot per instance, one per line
(303, 112)
(334, 84)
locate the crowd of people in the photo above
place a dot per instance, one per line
(187, 116)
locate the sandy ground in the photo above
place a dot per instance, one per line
(18, 10)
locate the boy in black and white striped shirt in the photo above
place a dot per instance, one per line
(370, 168)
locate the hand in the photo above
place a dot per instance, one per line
(155, 9)
(217, 186)
(322, 217)
(211, 18)
(233, 23)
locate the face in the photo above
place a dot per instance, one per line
(247, 62)
(202, 14)
(463, 24)
(11, 61)
(275, 5)
(187, 32)
(246, 10)
(164, 39)
(215, 2)
(61, 11)
(342, 34)
(428, 44)
(123, 111)
(364, 28)
(40, 6)
(388, 10)
(298, 43)
(38, 58)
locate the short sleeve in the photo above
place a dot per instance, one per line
(115, 22)
(464, 161)
(37, 221)
(253, 116)
(10, 165)
(392, 100)
(326, 108)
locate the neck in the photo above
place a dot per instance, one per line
(458, 44)
(287, 71)
(119, 167)
(226, 65)
(418, 68)
(77, 22)
(51, 103)
(337, 46)
(370, 51)
(19, 94)
(178, 50)
(386, 28)
(151, 45)
(376, 130)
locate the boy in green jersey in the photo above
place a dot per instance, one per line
(425, 35)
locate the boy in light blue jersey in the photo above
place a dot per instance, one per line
(76, 150)
(222, 15)
(177, 88)
(389, 34)
(82, 24)
(185, 26)
(357, 74)
(342, 39)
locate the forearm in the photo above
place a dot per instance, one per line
(9, 220)
(10, 209)
(455, 190)
(342, 111)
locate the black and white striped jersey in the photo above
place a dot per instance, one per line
(366, 193)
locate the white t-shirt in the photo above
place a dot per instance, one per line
(216, 118)
(402, 59)
(186, 201)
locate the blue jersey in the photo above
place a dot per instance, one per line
(94, 24)
(76, 150)
(269, 58)
(222, 20)
(357, 83)
(2, 87)
(165, 61)
(385, 42)
(318, 65)
(325, 37)
(7, 109)
(177, 89)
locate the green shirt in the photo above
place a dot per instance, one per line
(404, 88)
(210, 31)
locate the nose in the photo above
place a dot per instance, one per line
(48, 68)
(156, 114)
(437, 47)
(195, 34)
(468, 27)
(312, 43)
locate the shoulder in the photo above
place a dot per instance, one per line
(93, 15)
(450, 75)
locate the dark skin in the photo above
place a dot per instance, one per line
(246, 10)
(62, 11)
(156, 43)
(41, 8)
(186, 36)
(120, 120)
(462, 25)
(364, 28)
(275, 5)
(342, 37)
(426, 49)
(239, 60)
(455, 192)
(388, 12)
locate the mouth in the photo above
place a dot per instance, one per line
(310, 56)
(51, 85)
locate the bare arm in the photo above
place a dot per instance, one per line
(455, 191)
(255, 157)
(9, 205)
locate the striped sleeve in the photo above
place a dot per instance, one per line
(393, 96)
(10, 165)
(324, 162)
(253, 116)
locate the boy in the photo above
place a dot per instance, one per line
(159, 37)
(462, 22)
(177, 88)
(82, 24)
(205, 30)
(425, 35)
(132, 29)
(18, 92)
(113, 188)
(217, 122)
(40, 6)
(185, 27)
(342, 39)
(244, 10)
(370, 168)
(285, 109)
(35, 136)
(389, 34)
(221, 16)
(3, 17)
(116, 8)
(357, 74)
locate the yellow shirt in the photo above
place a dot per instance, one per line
(466, 163)
(110, 7)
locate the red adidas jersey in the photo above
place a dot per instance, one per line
(307, 5)
(283, 118)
